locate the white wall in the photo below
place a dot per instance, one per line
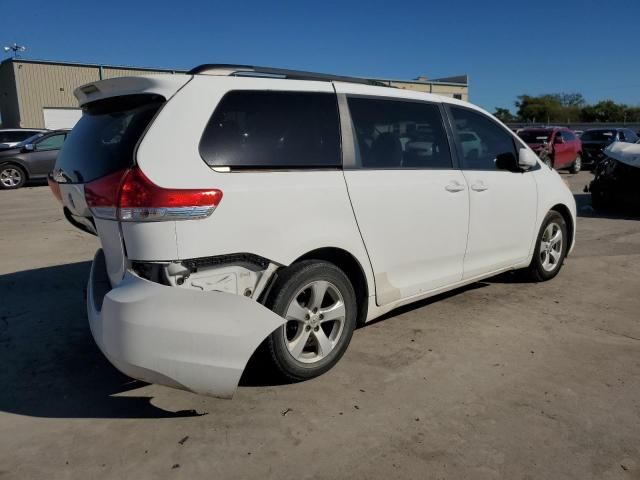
(55, 118)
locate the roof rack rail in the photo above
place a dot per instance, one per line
(250, 70)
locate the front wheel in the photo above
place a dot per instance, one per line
(11, 177)
(577, 165)
(551, 248)
(547, 160)
(319, 305)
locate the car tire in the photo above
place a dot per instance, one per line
(577, 165)
(12, 176)
(548, 255)
(309, 343)
(547, 160)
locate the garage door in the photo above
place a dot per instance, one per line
(55, 118)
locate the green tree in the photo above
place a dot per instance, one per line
(570, 99)
(632, 114)
(504, 115)
(605, 111)
(567, 108)
(543, 108)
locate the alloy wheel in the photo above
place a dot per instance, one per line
(577, 165)
(551, 247)
(10, 177)
(315, 321)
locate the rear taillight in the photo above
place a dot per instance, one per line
(129, 196)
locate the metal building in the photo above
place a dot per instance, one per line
(39, 94)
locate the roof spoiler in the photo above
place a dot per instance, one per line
(165, 85)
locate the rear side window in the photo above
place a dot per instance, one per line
(398, 134)
(104, 139)
(490, 139)
(267, 129)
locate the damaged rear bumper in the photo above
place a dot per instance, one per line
(198, 341)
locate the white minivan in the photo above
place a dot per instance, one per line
(241, 207)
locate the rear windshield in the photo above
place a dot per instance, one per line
(266, 129)
(535, 136)
(599, 136)
(104, 139)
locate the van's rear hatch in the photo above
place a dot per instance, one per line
(102, 143)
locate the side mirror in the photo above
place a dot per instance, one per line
(507, 161)
(527, 159)
(28, 147)
(558, 139)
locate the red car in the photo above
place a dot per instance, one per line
(558, 147)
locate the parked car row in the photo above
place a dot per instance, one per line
(595, 141)
(562, 148)
(31, 159)
(558, 147)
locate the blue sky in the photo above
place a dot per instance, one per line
(507, 48)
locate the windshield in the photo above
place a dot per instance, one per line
(599, 136)
(104, 139)
(31, 139)
(535, 136)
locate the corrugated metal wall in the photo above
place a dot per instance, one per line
(51, 85)
(42, 85)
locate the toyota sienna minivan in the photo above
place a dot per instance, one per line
(241, 207)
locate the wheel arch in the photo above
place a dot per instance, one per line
(563, 210)
(17, 163)
(351, 267)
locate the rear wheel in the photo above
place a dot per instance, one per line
(577, 165)
(551, 248)
(12, 176)
(319, 305)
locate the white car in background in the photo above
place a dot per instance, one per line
(245, 206)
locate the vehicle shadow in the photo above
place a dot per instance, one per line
(586, 210)
(38, 182)
(427, 301)
(259, 372)
(49, 364)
